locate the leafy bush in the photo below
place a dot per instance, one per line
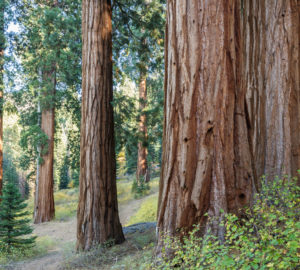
(267, 237)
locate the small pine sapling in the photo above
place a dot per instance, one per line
(14, 227)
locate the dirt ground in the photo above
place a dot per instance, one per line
(64, 236)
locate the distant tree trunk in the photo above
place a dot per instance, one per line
(44, 208)
(273, 86)
(97, 216)
(207, 163)
(142, 173)
(2, 48)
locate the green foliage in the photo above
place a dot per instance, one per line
(49, 45)
(43, 245)
(138, 49)
(13, 225)
(140, 189)
(64, 174)
(267, 237)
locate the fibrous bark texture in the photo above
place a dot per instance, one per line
(44, 202)
(142, 173)
(271, 34)
(207, 163)
(98, 219)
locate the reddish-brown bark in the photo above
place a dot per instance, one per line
(271, 34)
(232, 106)
(97, 216)
(207, 163)
(142, 174)
(44, 203)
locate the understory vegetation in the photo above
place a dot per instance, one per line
(138, 245)
(267, 237)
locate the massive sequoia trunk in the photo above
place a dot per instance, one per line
(44, 203)
(2, 45)
(232, 108)
(207, 164)
(98, 219)
(271, 34)
(142, 173)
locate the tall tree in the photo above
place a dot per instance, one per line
(272, 79)
(2, 48)
(207, 163)
(232, 106)
(142, 172)
(44, 204)
(138, 49)
(98, 218)
(50, 43)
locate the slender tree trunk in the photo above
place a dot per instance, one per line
(97, 216)
(2, 48)
(207, 161)
(142, 174)
(44, 208)
(273, 87)
(36, 194)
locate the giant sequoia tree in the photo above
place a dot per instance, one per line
(272, 79)
(98, 218)
(206, 163)
(231, 107)
(50, 43)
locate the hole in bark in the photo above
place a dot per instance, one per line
(193, 21)
(185, 139)
(282, 15)
(242, 196)
(208, 136)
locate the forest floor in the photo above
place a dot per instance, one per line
(58, 237)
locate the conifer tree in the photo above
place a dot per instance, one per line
(2, 45)
(64, 174)
(13, 222)
(138, 50)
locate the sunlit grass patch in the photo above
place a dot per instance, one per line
(147, 211)
(42, 246)
(66, 196)
(65, 211)
(124, 191)
(66, 202)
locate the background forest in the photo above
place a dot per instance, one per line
(169, 128)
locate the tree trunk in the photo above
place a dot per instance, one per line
(207, 162)
(44, 207)
(2, 48)
(142, 166)
(97, 216)
(272, 81)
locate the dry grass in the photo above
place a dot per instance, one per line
(135, 253)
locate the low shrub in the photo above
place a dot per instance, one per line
(267, 237)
